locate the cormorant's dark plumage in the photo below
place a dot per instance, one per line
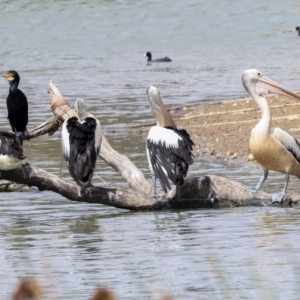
(17, 105)
(298, 29)
(164, 59)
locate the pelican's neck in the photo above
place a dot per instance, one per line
(162, 116)
(263, 126)
(163, 119)
(159, 118)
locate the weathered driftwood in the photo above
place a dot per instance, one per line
(61, 111)
(9, 186)
(205, 192)
(50, 126)
(125, 167)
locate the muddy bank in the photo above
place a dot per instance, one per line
(222, 129)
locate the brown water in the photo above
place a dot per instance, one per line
(95, 51)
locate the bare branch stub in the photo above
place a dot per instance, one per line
(60, 107)
(50, 126)
(61, 110)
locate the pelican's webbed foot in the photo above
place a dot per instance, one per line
(278, 197)
(252, 190)
(157, 197)
(154, 195)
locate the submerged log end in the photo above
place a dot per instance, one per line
(9, 186)
(213, 191)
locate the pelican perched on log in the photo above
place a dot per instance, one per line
(81, 142)
(11, 151)
(273, 148)
(169, 150)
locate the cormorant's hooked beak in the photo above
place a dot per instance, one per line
(266, 85)
(8, 76)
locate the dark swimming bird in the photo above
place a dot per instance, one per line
(81, 142)
(298, 29)
(11, 151)
(164, 59)
(273, 148)
(17, 106)
(169, 150)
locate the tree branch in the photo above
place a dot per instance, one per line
(205, 192)
(62, 111)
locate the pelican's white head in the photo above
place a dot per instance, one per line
(256, 84)
(158, 108)
(249, 79)
(154, 99)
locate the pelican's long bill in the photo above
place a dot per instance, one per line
(158, 108)
(266, 85)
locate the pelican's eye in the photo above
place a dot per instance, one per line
(258, 74)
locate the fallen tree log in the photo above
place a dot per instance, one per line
(204, 192)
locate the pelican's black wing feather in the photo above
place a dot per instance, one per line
(171, 161)
(83, 153)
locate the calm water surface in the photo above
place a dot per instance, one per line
(94, 50)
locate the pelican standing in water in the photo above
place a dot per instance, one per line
(81, 142)
(169, 150)
(273, 148)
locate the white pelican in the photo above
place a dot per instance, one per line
(164, 59)
(81, 142)
(11, 151)
(169, 150)
(273, 148)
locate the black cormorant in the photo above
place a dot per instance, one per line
(17, 106)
